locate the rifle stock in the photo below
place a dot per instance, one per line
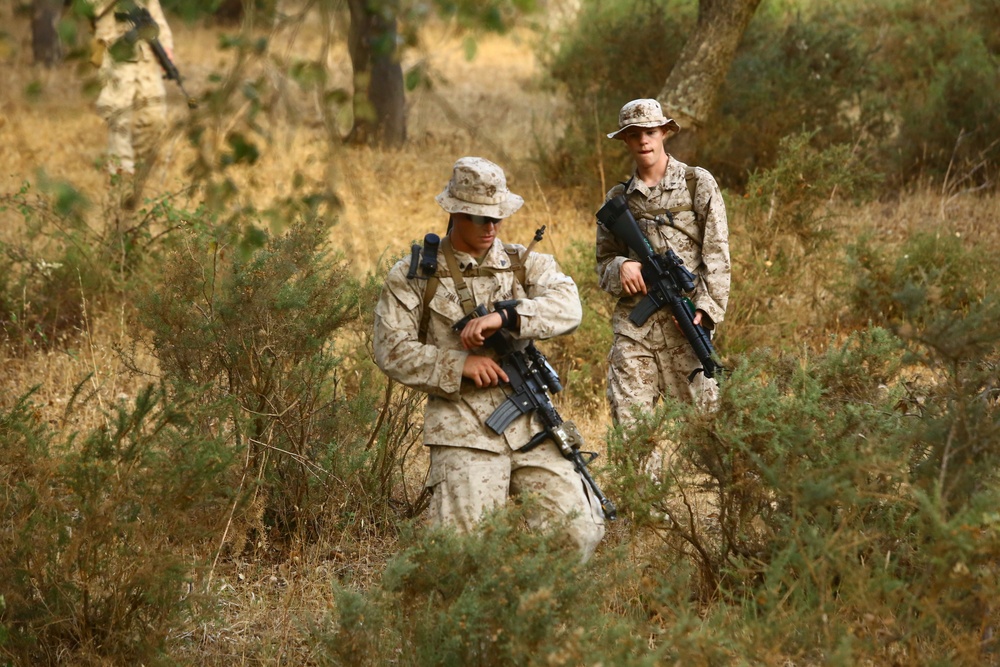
(666, 282)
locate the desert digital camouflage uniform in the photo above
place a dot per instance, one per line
(655, 359)
(133, 97)
(472, 468)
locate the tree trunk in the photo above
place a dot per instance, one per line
(379, 100)
(691, 91)
(45, 44)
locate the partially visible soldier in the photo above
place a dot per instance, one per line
(680, 208)
(472, 469)
(133, 96)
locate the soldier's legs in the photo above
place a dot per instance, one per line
(676, 361)
(114, 105)
(149, 115)
(633, 379)
(561, 495)
(467, 483)
(149, 119)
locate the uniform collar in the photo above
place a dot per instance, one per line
(673, 178)
(495, 257)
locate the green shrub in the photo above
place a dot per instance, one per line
(68, 256)
(47, 271)
(940, 297)
(802, 508)
(936, 71)
(103, 531)
(500, 596)
(781, 230)
(265, 322)
(793, 75)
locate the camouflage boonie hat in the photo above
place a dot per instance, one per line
(478, 187)
(643, 113)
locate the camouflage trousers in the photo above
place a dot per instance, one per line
(133, 103)
(469, 482)
(640, 372)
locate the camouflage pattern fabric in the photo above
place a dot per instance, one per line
(654, 359)
(456, 411)
(133, 97)
(469, 482)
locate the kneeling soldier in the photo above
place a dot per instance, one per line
(473, 468)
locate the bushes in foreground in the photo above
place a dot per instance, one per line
(105, 531)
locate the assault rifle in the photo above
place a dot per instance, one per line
(532, 378)
(145, 27)
(666, 283)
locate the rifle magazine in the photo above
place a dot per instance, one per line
(509, 410)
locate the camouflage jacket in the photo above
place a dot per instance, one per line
(700, 237)
(456, 410)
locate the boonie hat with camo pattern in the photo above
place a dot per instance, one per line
(478, 187)
(643, 113)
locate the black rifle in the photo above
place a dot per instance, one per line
(532, 378)
(666, 283)
(145, 27)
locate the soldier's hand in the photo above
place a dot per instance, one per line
(479, 329)
(631, 276)
(483, 371)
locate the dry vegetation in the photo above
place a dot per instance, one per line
(491, 106)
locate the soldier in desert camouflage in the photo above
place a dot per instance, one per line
(133, 97)
(473, 469)
(677, 207)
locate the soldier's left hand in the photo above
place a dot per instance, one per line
(479, 329)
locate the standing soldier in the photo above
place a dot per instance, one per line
(472, 468)
(133, 97)
(680, 208)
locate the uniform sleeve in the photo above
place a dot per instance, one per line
(552, 306)
(398, 350)
(712, 291)
(611, 254)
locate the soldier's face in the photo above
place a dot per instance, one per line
(645, 144)
(473, 234)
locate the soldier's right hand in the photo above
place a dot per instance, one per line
(483, 371)
(631, 277)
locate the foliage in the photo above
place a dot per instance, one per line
(251, 319)
(593, 63)
(913, 86)
(938, 69)
(494, 16)
(69, 255)
(793, 75)
(941, 299)
(104, 529)
(777, 226)
(500, 596)
(801, 502)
